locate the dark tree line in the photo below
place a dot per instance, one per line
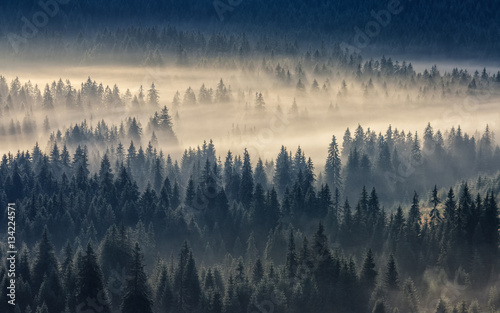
(456, 29)
(249, 235)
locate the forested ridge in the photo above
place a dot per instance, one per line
(444, 27)
(248, 235)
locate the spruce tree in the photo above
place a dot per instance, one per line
(246, 183)
(282, 174)
(291, 258)
(191, 299)
(490, 224)
(51, 292)
(379, 307)
(391, 278)
(257, 272)
(153, 96)
(89, 282)
(45, 261)
(137, 298)
(434, 213)
(368, 273)
(441, 307)
(333, 166)
(164, 299)
(450, 207)
(260, 176)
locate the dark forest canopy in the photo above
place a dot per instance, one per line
(444, 27)
(246, 239)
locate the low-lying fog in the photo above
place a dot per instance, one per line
(238, 124)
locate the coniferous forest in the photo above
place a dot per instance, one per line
(249, 157)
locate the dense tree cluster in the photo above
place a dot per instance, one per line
(461, 26)
(27, 97)
(249, 234)
(399, 162)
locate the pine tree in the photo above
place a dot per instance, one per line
(192, 287)
(384, 158)
(333, 166)
(465, 219)
(391, 278)
(259, 209)
(48, 101)
(291, 258)
(441, 307)
(176, 196)
(411, 302)
(164, 294)
(493, 299)
(189, 97)
(176, 101)
(51, 292)
(416, 155)
(251, 253)
(246, 183)
(373, 209)
(379, 307)
(282, 174)
(221, 93)
(490, 223)
(231, 302)
(23, 269)
(153, 96)
(450, 207)
(45, 261)
(429, 143)
(216, 303)
(137, 298)
(368, 273)
(260, 176)
(434, 213)
(414, 215)
(190, 193)
(260, 104)
(186, 282)
(89, 282)
(134, 130)
(257, 272)
(164, 120)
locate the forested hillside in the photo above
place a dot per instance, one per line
(444, 27)
(206, 235)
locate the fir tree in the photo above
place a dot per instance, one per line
(368, 273)
(153, 96)
(246, 183)
(391, 278)
(137, 296)
(89, 282)
(333, 165)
